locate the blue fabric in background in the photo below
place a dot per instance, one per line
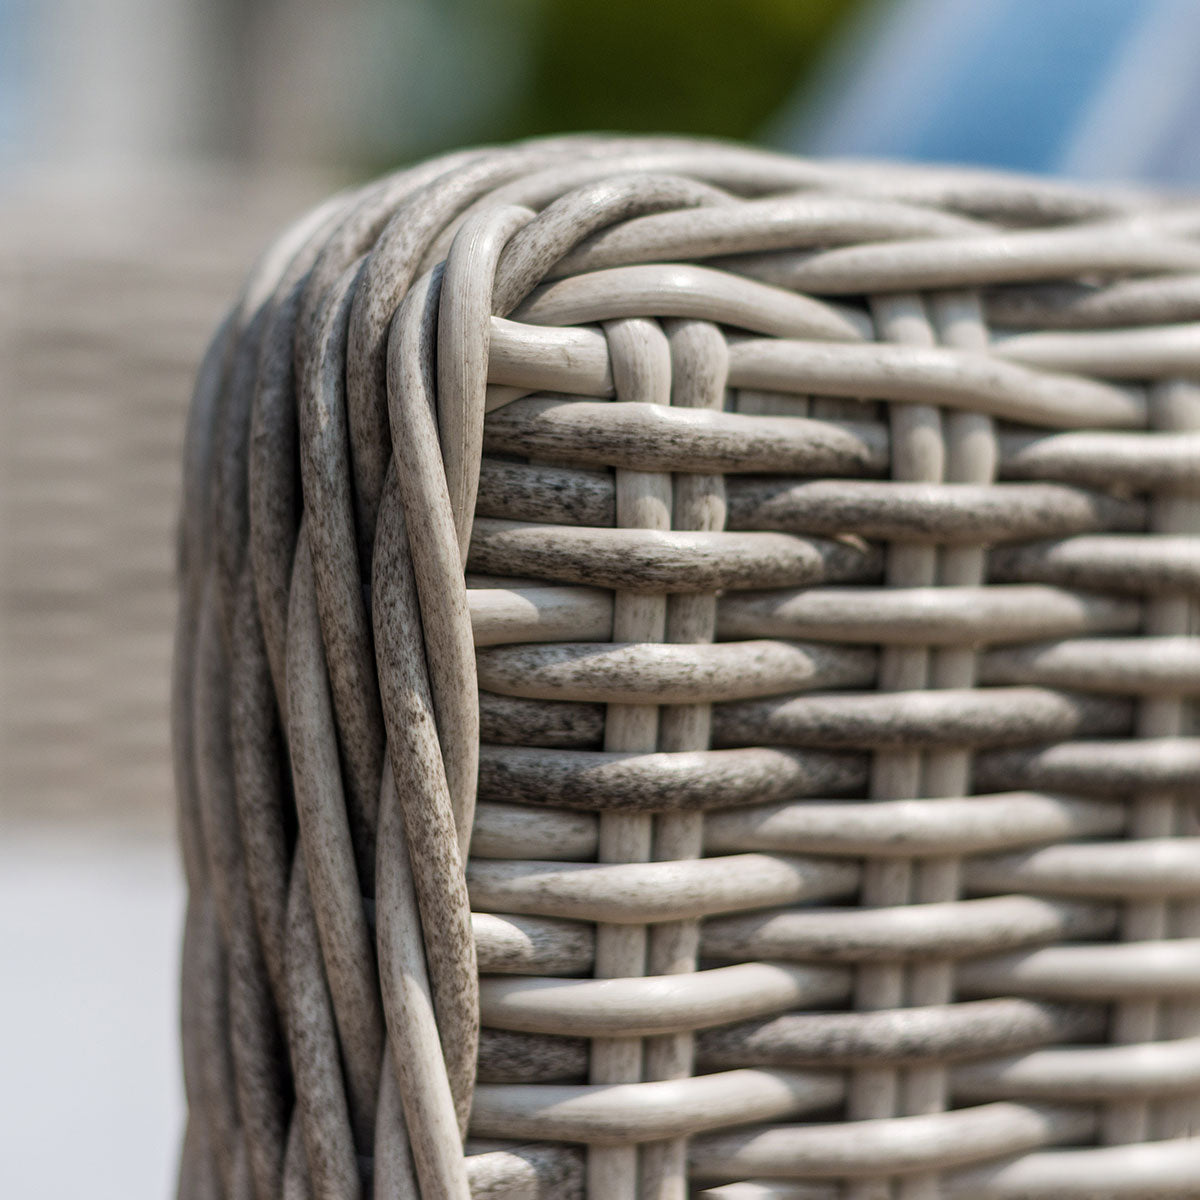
(1087, 88)
(1022, 79)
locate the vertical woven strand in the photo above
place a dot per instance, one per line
(1174, 405)
(642, 373)
(699, 366)
(918, 455)
(970, 458)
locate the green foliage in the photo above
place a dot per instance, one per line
(720, 67)
(444, 73)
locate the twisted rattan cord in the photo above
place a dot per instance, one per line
(390, 321)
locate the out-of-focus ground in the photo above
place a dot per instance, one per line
(112, 289)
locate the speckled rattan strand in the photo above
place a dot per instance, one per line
(686, 686)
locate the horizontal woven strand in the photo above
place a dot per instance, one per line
(522, 492)
(683, 290)
(947, 262)
(889, 1145)
(926, 615)
(506, 1056)
(516, 830)
(599, 780)
(944, 512)
(772, 1189)
(507, 944)
(1164, 352)
(531, 358)
(773, 223)
(1164, 1170)
(655, 437)
(648, 1005)
(953, 379)
(992, 195)
(662, 673)
(1133, 666)
(526, 1170)
(1101, 768)
(1141, 461)
(952, 825)
(619, 1114)
(1116, 562)
(961, 825)
(1158, 299)
(1075, 1073)
(862, 720)
(1160, 867)
(639, 893)
(654, 562)
(901, 1035)
(512, 721)
(946, 717)
(945, 929)
(547, 614)
(1159, 968)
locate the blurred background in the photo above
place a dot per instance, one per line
(147, 150)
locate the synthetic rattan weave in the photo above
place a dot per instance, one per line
(817, 704)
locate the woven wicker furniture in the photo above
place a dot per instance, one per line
(780, 579)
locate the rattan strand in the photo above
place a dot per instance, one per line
(686, 680)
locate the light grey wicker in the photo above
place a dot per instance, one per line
(802, 644)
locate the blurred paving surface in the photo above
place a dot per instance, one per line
(109, 291)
